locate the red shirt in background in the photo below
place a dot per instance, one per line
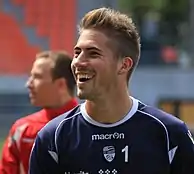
(18, 145)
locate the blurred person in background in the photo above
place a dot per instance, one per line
(51, 86)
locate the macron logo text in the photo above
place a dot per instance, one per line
(114, 135)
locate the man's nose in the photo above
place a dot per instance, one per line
(28, 83)
(80, 61)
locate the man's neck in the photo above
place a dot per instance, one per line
(109, 109)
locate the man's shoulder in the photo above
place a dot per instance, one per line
(27, 126)
(175, 128)
(26, 120)
(168, 120)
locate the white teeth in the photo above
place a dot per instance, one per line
(86, 76)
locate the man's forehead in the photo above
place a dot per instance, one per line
(41, 62)
(42, 65)
(91, 38)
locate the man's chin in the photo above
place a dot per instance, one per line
(81, 95)
(34, 103)
(84, 96)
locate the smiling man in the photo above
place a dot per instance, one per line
(111, 132)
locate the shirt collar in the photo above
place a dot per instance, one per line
(54, 112)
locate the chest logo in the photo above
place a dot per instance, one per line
(109, 153)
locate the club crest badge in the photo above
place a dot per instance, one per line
(109, 153)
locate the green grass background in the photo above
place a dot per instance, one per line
(1, 144)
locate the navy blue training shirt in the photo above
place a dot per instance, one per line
(146, 141)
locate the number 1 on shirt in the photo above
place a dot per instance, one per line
(126, 151)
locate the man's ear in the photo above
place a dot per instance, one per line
(61, 83)
(126, 65)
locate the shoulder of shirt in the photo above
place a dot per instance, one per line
(52, 125)
(171, 122)
(34, 117)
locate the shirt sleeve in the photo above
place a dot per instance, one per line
(183, 162)
(44, 158)
(9, 163)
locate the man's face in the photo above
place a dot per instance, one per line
(94, 66)
(42, 89)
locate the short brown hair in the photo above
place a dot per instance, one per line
(117, 26)
(62, 67)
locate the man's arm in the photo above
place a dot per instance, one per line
(183, 161)
(44, 158)
(9, 163)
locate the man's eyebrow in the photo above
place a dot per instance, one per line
(89, 48)
(94, 48)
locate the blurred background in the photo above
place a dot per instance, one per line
(164, 77)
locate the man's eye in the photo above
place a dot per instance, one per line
(37, 76)
(76, 53)
(94, 54)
